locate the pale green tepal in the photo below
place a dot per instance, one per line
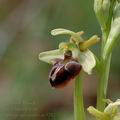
(111, 112)
(77, 45)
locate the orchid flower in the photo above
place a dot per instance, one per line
(79, 50)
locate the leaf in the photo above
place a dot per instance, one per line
(61, 31)
(49, 56)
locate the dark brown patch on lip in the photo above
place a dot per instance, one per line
(61, 74)
(64, 70)
(56, 61)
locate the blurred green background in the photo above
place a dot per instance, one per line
(25, 25)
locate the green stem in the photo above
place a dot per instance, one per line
(78, 100)
(105, 63)
(103, 83)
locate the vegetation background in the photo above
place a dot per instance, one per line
(25, 25)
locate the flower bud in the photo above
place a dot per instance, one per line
(98, 8)
(106, 7)
(114, 35)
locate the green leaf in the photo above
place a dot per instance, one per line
(49, 56)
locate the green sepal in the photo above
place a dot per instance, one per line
(112, 108)
(49, 56)
(98, 114)
(87, 60)
(61, 31)
(76, 36)
(111, 112)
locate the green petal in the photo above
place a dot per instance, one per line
(87, 60)
(61, 31)
(49, 56)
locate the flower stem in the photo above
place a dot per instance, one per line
(103, 83)
(105, 63)
(78, 100)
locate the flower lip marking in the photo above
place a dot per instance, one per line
(64, 70)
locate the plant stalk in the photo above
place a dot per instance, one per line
(79, 113)
(103, 83)
(105, 63)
